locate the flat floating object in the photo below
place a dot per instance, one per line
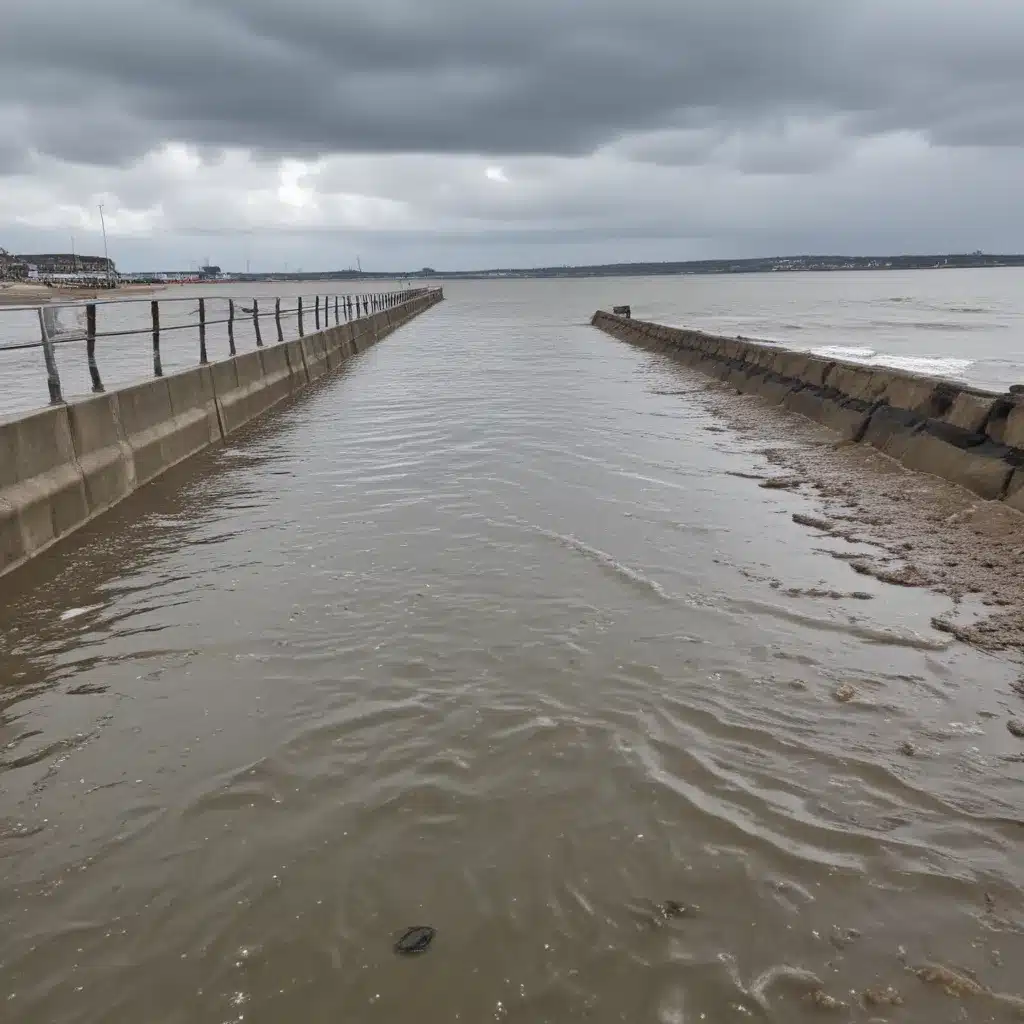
(415, 940)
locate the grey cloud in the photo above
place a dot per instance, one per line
(727, 125)
(538, 76)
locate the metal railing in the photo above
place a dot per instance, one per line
(286, 319)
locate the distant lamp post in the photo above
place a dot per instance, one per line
(106, 258)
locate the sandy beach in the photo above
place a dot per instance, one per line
(29, 294)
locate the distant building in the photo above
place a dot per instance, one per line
(12, 268)
(69, 264)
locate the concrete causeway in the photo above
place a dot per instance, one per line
(968, 436)
(64, 465)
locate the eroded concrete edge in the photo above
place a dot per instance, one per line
(966, 435)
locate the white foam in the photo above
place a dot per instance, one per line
(843, 352)
(73, 613)
(935, 366)
(607, 561)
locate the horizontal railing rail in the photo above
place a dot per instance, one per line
(60, 324)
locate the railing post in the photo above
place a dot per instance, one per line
(158, 370)
(231, 326)
(256, 322)
(302, 333)
(317, 313)
(52, 373)
(277, 319)
(90, 347)
(203, 360)
(337, 315)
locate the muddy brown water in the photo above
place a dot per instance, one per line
(478, 635)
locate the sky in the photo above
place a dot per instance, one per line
(463, 134)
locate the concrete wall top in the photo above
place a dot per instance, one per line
(962, 405)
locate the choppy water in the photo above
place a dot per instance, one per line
(477, 634)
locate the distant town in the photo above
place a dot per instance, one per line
(69, 269)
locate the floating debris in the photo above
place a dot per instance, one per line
(812, 522)
(845, 693)
(782, 483)
(415, 940)
(671, 909)
(1016, 728)
(843, 937)
(824, 1001)
(958, 985)
(908, 749)
(888, 996)
(953, 982)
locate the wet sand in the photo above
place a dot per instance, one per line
(905, 528)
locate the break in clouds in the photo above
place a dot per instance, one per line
(462, 133)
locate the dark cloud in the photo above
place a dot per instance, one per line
(537, 76)
(739, 124)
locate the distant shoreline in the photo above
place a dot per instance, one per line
(766, 265)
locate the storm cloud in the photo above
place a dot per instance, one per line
(465, 132)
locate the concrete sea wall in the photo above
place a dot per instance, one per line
(971, 437)
(66, 464)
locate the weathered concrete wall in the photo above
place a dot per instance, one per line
(971, 437)
(62, 466)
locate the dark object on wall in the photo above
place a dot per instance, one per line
(622, 311)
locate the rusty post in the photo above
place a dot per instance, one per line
(256, 322)
(203, 359)
(158, 370)
(52, 373)
(316, 313)
(90, 347)
(302, 333)
(231, 326)
(277, 318)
